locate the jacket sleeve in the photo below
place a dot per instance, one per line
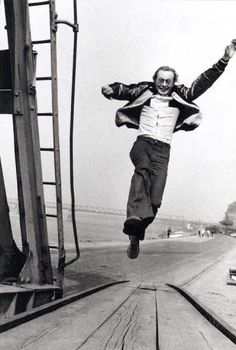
(203, 82)
(128, 92)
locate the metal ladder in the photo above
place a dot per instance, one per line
(55, 128)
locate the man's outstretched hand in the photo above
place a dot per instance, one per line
(230, 50)
(107, 91)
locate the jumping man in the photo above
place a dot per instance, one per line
(157, 109)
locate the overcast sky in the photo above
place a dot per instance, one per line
(126, 41)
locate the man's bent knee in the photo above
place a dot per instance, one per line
(142, 168)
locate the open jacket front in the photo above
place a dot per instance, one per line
(138, 94)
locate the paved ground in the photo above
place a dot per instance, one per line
(163, 261)
(211, 288)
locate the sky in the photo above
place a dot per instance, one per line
(126, 41)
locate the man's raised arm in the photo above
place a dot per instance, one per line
(206, 79)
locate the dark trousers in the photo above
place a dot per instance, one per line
(150, 158)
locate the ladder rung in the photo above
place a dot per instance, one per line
(51, 216)
(53, 247)
(43, 78)
(44, 149)
(45, 114)
(39, 3)
(36, 42)
(49, 183)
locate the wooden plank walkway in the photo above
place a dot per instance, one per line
(182, 327)
(122, 317)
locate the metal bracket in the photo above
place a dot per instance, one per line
(17, 102)
(74, 26)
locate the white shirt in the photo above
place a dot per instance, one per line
(158, 120)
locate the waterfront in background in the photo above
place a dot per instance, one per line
(104, 225)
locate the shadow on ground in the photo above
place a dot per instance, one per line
(75, 281)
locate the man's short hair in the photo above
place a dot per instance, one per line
(166, 68)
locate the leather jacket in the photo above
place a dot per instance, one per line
(137, 94)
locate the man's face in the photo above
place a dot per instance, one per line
(164, 82)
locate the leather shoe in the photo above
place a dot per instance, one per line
(133, 248)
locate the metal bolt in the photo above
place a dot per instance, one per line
(31, 89)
